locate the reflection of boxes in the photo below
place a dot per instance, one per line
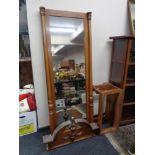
(60, 103)
(83, 97)
(27, 123)
(68, 64)
(95, 102)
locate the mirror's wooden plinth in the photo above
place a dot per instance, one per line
(68, 132)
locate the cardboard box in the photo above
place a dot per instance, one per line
(68, 64)
(27, 123)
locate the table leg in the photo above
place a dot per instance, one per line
(100, 111)
(118, 110)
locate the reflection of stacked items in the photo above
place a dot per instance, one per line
(68, 90)
(68, 64)
(95, 102)
(82, 95)
(73, 101)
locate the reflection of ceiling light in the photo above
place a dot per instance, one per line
(62, 30)
(53, 49)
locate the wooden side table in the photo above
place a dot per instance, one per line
(104, 90)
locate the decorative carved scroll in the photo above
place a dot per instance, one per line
(70, 131)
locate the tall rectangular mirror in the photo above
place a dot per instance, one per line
(68, 66)
(68, 57)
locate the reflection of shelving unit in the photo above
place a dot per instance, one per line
(79, 88)
(66, 81)
(25, 66)
(122, 74)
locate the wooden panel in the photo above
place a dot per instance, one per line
(122, 74)
(60, 13)
(51, 99)
(87, 132)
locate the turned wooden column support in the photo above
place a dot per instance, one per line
(49, 74)
(91, 106)
(42, 11)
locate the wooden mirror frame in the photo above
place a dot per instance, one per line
(45, 13)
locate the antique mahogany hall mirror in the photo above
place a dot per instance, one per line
(68, 65)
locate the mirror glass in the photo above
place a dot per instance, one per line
(68, 63)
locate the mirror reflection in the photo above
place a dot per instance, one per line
(67, 47)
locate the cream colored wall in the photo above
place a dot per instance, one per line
(76, 53)
(109, 18)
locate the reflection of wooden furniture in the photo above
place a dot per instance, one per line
(122, 74)
(105, 90)
(25, 72)
(87, 127)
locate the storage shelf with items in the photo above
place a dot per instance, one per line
(25, 65)
(27, 102)
(122, 74)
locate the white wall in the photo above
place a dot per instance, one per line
(109, 18)
(76, 53)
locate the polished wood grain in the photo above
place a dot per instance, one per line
(127, 60)
(104, 90)
(86, 130)
(61, 135)
(86, 54)
(60, 13)
(100, 111)
(91, 105)
(50, 87)
(126, 63)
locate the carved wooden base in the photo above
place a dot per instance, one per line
(69, 132)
